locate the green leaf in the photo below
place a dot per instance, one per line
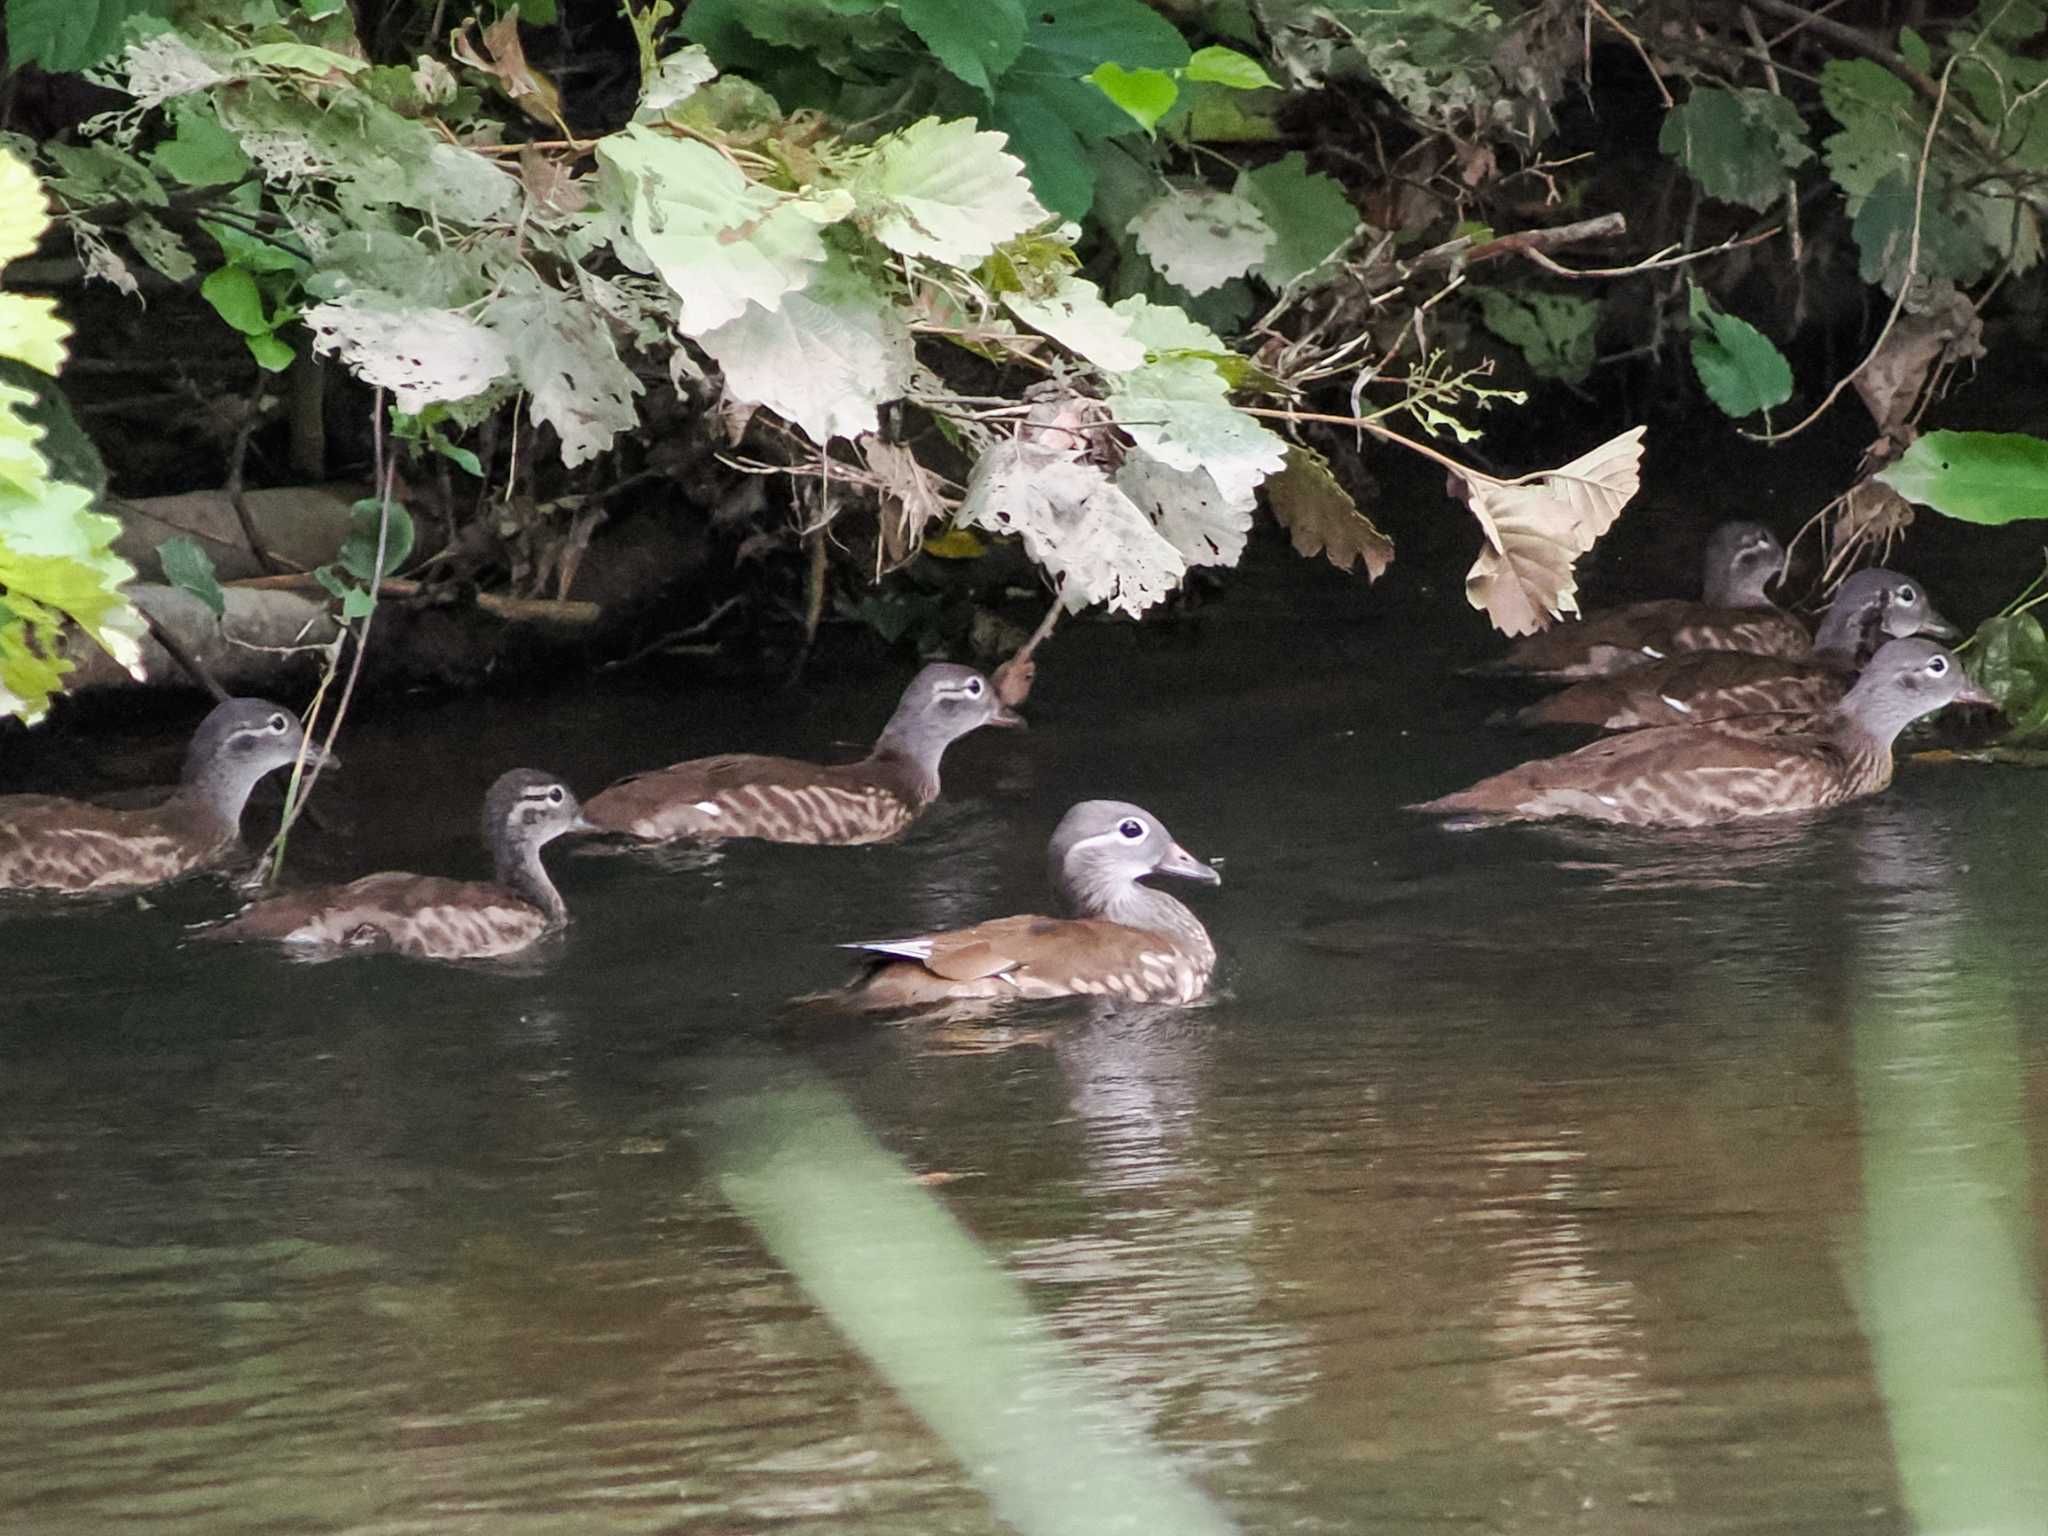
(1145, 94)
(1553, 331)
(187, 566)
(66, 36)
(1737, 145)
(975, 39)
(456, 454)
(1979, 477)
(1914, 50)
(2010, 661)
(1310, 215)
(358, 554)
(1742, 370)
(1226, 66)
(1061, 169)
(236, 299)
(203, 154)
(303, 59)
(272, 354)
(1883, 229)
(942, 190)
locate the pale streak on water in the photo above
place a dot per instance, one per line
(1514, 1182)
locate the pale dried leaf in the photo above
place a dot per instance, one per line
(1321, 517)
(1535, 531)
(1189, 510)
(1890, 383)
(910, 498)
(533, 91)
(1201, 238)
(1074, 315)
(423, 356)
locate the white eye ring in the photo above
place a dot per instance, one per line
(279, 724)
(1904, 594)
(555, 795)
(1130, 829)
(1937, 665)
(974, 687)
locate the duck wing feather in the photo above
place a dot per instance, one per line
(51, 844)
(1028, 956)
(1694, 689)
(1671, 776)
(426, 916)
(780, 799)
(1622, 639)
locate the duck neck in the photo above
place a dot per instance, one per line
(1870, 717)
(521, 872)
(1134, 905)
(219, 789)
(1845, 630)
(1738, 587)
(917, 743)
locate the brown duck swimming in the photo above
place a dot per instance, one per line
(1718, 685)
(1732, 615)
(52, 845)
(1119, 939)
(787, 801)
(1700, 775)
(430, 917)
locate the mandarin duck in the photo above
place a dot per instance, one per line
(429, 917)
(49, 844)
(1733, 614)
(783, 800)
(1701, 775)
(1118, 938)
(1692, 689)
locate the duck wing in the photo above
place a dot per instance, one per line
(1693, 689)
(1670, 776)
(1027, 956)
(421, 915)
(51, 844)
(746, 795)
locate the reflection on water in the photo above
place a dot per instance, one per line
(1520, 1181)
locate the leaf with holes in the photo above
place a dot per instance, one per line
(423, 356)
(944, 190)
(1978, 477)
(825, 359)
(1189, 509)
(564, 357)
(1201, 238)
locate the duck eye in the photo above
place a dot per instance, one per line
(1130, 828)
(1904, 594)
(1937, 665)
(555, 795)
(974, 687)
(279, 724)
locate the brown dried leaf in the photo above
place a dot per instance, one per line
(532, 91)
(1890, 385)
(550, 184)
(1321, 517)
(1523, 579)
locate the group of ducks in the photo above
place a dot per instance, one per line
(1726, 709)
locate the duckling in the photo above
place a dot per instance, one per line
(783, 800)
(429, 917)
(1732, 615)
(1702, 686)
(1120, 939)
(1703, 775)
(52, 845)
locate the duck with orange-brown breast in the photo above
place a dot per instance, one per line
(52, 845)
(1692, 689)
(1701, 775)
(429, 917)
(1733, 614)
(783, 800)
(1119, 939)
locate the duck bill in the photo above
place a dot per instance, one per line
(582, 824)
(319, 757)
(1005, 716)
(1934, 625)
(1974, 693)
(1179, 861)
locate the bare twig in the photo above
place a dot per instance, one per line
(1856, 42)
(1636, 43)
(1657, 262)
(1013, 679)
(175, 649)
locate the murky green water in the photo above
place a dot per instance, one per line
(1525, 1181)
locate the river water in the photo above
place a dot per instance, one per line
(1514, 1181)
